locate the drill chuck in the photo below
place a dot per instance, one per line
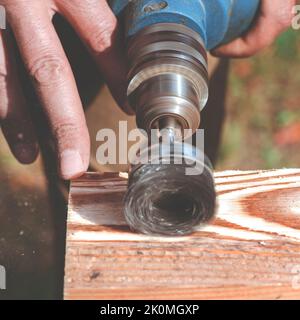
(168, 76)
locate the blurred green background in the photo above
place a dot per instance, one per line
(262, 129)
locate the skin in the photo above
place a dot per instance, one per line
(275, 16)
(51, 74)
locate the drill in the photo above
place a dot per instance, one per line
(167, 43)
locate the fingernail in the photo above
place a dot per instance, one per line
(26, 153)
(71, 164)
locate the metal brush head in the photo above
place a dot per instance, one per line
(163, 200)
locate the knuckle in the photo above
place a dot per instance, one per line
(285, 16)
(101, 40)
(285, 20)
(66, 132)
(47, 70)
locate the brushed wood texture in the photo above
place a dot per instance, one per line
(251, 251)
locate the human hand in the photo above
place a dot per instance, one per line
(275, 16)
(47, 65)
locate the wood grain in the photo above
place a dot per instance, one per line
(251, 251)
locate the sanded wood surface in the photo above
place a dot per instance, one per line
(251, 251)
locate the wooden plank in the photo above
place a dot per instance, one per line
(251, 251)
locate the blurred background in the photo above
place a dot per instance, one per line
(261, 131)
(262, 128)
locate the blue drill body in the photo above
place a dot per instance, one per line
(217, 21)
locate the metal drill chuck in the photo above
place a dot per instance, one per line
(168, 78)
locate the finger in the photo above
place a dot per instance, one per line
(15, 118)
(275, 17)
(47, 64)
(97, 26)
